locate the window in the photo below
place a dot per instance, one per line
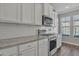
(65, 25)
(76, 25)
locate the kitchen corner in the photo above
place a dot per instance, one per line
(32, 31)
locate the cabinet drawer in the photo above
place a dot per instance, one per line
(27, 46)
(30, 52)
(9, 51)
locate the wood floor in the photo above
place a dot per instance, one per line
(67, 50)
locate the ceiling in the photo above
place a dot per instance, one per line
(65, 7)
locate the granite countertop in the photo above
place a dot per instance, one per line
(19, 40)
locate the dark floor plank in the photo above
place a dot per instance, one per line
(67, 50)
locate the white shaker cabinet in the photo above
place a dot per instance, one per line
(59, 41)
(55, 23)
(56, 19)
(38, 13)
(43, 47)
(27, 11)
(46, 9)
(29, 49)
(9, 12)
(12, 51)
(51, 12)
(29, 52)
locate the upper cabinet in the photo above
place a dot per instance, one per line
(51, 11)
(56, 23)
(38, 13)
(27, 13)
(48, 10)
(9, 12)
(31, 13)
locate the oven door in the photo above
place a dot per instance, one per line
(52, 44)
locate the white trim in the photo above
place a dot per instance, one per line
(71, 43)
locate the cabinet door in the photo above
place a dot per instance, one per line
(43, 47)
(29, 49)
(38, 13)
(30, 52)
(51, 12)
(28, 13)
(43, 50)
(9, 51)
(46, 9)
(56, 19)
(9, 12)
(59, 41)
(56, 23)
(27, 46)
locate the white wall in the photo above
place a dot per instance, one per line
(16, 30)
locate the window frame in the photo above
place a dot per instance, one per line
(74, 26)
(65, 21)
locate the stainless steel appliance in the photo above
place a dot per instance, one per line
(47, 21)
(52, 44)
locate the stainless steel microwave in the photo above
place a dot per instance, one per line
(47, 21)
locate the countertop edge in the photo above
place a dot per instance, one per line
(17, 44)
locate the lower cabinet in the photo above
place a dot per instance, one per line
(29, 49)
(59, 41)
(30, 52)
(43, 47)
(36, 48)
(11, 51)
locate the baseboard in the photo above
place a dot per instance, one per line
(70, 43)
